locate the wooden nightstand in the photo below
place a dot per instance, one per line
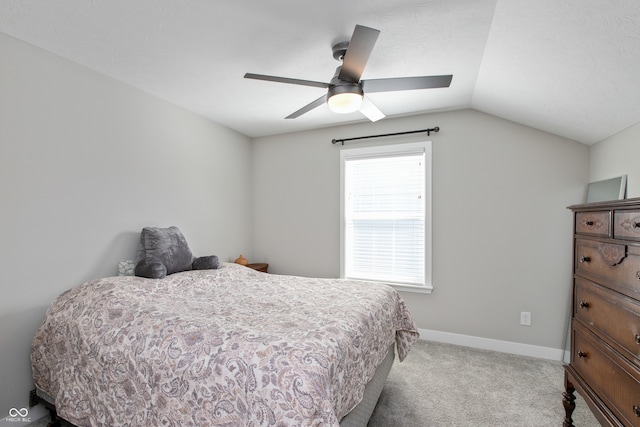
(259, 266)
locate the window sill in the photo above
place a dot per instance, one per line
(417, 289)
(412, 288)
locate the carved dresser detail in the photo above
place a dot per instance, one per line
(605, 325)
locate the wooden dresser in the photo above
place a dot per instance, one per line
(605, 326)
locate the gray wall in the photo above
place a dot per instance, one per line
(501, 230)
(618, 155)
(85, 163)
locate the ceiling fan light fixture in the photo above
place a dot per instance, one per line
(345, 99)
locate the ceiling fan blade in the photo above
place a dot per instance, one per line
(286, 80)
(358, 52)
(318, 102)
(406, 83)
(370, 110)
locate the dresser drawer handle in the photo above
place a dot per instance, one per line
(582, 354)
(583, 304)
(585, 259)
(638, 339)
(636, 410)
(589, 223)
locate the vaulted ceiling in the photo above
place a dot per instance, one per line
(571, 67)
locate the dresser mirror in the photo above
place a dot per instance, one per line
(608, 189)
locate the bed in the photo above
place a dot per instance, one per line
(223, 347)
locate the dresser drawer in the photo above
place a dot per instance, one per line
(612, 378)
(612, 265)
(611, 315)
(594, 223)
(627, 225)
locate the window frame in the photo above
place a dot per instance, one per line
(391, 150)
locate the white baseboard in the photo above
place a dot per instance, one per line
(494, 345)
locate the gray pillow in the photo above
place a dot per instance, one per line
(150, 270)
(210, 262)
(162, 251)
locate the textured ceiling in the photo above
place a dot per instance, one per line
(570, 68)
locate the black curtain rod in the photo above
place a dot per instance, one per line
(428, 131)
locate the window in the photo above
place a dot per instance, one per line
(385, 206)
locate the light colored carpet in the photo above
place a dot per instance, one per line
(443, 385)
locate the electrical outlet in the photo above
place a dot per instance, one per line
(525, 318)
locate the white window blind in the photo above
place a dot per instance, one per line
(384, 214)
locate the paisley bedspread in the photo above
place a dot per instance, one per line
(225, 347)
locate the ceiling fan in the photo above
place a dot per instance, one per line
(346, 92)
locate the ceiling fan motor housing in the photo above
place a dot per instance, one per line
(339, 50)
(344, 87)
